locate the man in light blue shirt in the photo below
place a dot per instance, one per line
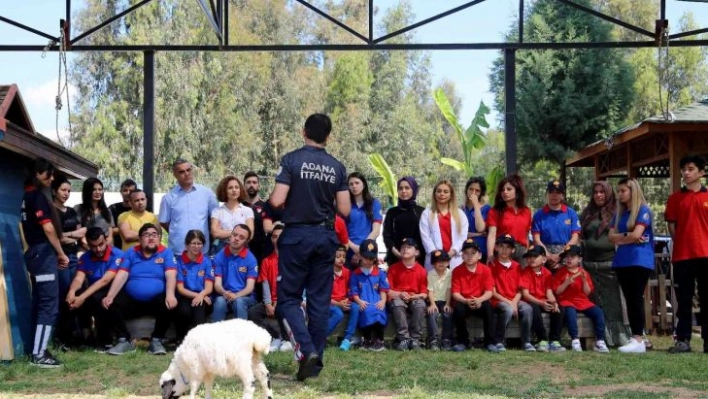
(185, 207)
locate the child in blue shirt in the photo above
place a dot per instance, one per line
(369, 288)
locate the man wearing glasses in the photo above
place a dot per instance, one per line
(149, 274)
(185, 207)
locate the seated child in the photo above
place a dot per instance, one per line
(471, 288)
(339, 302)
(537, 290)
(572, 285)
(408, 290)
(506, 298)
(439, 299)
(368, 288)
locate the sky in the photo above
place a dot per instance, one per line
(37, 74)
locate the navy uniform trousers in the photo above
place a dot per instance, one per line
(306, 255)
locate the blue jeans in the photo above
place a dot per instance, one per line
(238, 307)
(336, 314)
(594, 313)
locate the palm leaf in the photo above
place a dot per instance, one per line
(388, 179)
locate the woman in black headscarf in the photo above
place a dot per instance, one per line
(402, 221)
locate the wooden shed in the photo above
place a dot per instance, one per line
(19, 145)
(650, 148)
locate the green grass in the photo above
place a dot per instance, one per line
(394, 374)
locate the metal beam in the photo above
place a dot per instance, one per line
(363, 47)
(149, 126)
(334, 20)
(428, 20)
(28, 29)
(687, 33)
(521, 21)
(510, 110)
(226, 22)
(608, 18)
(371, 21)
(108, 21)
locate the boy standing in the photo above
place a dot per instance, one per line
(506, 298)
(471, 287)
(409, 290)
(537, 290)
(439, 280)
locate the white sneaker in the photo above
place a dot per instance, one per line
(601, 347)
(575, 345)
(275, 344)
(286, 346)
(633, 347)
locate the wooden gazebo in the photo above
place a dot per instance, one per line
(650, 148)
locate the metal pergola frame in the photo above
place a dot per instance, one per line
(217, 13)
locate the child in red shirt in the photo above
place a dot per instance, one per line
(506, 298)
(408, 291)
(471, 288)
(572, 285)
(340, 303)
(537, 290)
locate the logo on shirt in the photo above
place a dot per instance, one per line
(201, 273)
(567, 221)
(242, 269)
(314, 171)
(39, 214)
(280, 170)
(646, 216)
(160, 261)
(376, 287)
(119, 261)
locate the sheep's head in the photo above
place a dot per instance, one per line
(172, 388)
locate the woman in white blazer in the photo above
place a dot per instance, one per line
(443, 225)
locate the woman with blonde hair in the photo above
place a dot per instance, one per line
(631, 231)
(443, 225)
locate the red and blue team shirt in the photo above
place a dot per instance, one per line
(235, 269)
(506, 280)
(538, 283)
(368, 287)
(555, 227)
(516, 224)
(35, 213)
(573, 295)
(340, 285)
(193, 275)
(146, 279)
(635, 254)
(359, 226)
(269, 273)
(95, 268)
(413, 280)
(471, 228)
(688, 210)
(471, 283)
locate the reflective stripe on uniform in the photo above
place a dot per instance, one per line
(43, 278)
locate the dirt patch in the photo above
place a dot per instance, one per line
(601, 390)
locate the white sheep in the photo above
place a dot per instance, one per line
(229, 348)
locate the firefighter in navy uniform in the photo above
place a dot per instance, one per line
(309, 185)
(41, 228)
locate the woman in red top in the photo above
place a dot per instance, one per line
(510, 215)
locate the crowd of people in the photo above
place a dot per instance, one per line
(309, 255)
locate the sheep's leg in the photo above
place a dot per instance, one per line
(249, 383)
(193, 388)
(263, 377)
(208, 384)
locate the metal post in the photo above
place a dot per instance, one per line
(510, 109)
(149, 126)
(521, 21)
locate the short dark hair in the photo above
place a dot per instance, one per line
(38, 166)
(278, 226)
(137, 190)
(148, 226)
(318, 127)
(128, 183)
(94, 233)
(698, 160)
(245, 227)
(178, 162)
(251, 173)
(192, 234)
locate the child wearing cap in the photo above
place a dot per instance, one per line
(506, 298)
(471, 288)
(439, 299)
(572, 285)
(537, 290)
(339, 302)
(408, 283)
(555, 225)
(368, 288)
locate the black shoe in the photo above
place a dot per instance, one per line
(705, 346)
(307, 367)
(681, 347)
(415, 345)
(402, 346)
(46, 361)
(446, 345)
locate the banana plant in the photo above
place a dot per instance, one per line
(388, 179)
(472, 140)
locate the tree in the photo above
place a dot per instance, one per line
(565, 99)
